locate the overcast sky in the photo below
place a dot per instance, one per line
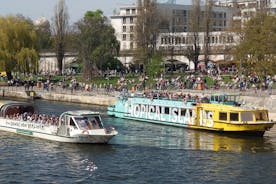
(76, 8)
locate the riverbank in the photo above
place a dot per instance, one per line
(105, 98)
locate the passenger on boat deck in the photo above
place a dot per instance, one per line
(94, 124)
(83, 124)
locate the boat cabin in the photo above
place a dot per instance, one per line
(8, 108)
(224, 99)
(227, 114)
(81, 120)
(243, 116)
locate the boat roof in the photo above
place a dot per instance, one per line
(6, 102)
(81, 113)
(224, 94)
(222, 107)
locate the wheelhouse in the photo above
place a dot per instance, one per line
(82, 120)
(242, 116)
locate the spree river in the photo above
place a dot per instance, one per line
(141, 153)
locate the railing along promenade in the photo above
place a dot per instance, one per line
(115, 93)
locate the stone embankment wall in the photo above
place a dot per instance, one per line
(260, 101)
(98, 99)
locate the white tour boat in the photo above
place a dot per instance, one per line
(72, 126)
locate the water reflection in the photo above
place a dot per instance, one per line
(145, 134)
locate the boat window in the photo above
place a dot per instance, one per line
(212, 98)
(72, 123)
(246, 116)
(83, 123)
(96, 122)
(261, 116)
(234, 116)
(223, 116)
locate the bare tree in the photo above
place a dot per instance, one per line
(147, 28)
(193, 52)
(207, 29)
(60, 29)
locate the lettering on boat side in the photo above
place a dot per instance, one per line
(206, 118)
(23, 125)
(162, 113)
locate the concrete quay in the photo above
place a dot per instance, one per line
(103, 98)
(99, 98)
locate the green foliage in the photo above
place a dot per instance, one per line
(17, 45)
(43, 32)
(112, 64)
(154, 67)
(96, 42)
(256, 51)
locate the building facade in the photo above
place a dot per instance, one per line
(177, 23)
(176, 15)
(48, 62)
(244, 9)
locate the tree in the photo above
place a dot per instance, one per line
(147, 28)
(43, 32)
(257, 48)
(154, 66)
(18, 45)
(207, 29)
(192, 53)
(60, 30)
(96, 42)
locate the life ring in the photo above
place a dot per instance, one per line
(85, 132)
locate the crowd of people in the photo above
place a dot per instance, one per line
(189, 81)
(34, 117)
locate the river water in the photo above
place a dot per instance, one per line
(141, 153)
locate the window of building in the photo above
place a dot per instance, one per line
(162, 40)
(131, 37)
(124, 36)
(234, 116)
(124, 28)
(131, 28)
(124, 20)
(133, 11)
(131, 45)
(131, 20)
(127, 11)
(166, 40)
(183, 40)
(184, 13)
(223, 116)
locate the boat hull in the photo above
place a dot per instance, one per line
(39, 131)
(180, 114)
